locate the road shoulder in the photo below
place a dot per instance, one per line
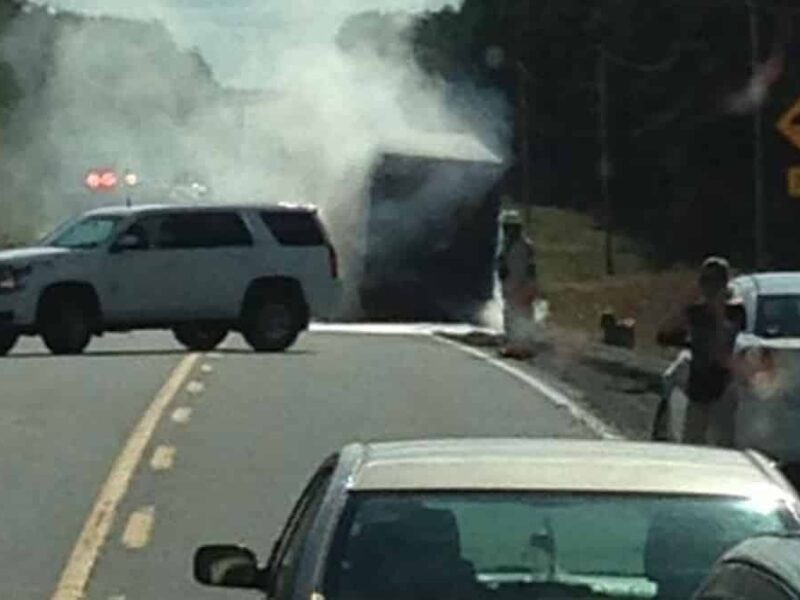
(619, 387)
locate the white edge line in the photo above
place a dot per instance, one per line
(395, 329)
(578, 412)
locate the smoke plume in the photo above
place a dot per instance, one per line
(295, 107)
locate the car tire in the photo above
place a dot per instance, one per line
(8, 340)
(272, 325)
(66, 327)
(200, 337)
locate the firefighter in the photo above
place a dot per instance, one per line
(517, 274)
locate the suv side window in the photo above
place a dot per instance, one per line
(203, 230)
(289, 550)
(144, 228)
(294, 228)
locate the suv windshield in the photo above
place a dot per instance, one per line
(575, 545)
(90, 232)
(778, 316)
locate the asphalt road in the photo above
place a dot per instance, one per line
(238, 436)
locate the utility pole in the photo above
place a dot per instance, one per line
(758, 141)
(523, 80)
(605, 166)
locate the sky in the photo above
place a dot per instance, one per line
(239, 37)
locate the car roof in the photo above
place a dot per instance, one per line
(567, 465)
(775, 554)
(774, 283)
(205, 207)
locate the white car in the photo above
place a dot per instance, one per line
(201, 271)
(511, 518)
(768, 414)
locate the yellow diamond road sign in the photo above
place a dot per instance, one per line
(794, 182)
(789, 125)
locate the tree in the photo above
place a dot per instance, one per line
(681, 156)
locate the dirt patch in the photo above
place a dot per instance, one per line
(647, 298)
(570, 250)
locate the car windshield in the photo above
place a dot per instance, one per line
(87, 233)
(778, 316)
(531, 544)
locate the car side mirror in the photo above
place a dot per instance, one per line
(128, 241)
(227, 567)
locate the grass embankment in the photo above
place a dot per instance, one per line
(571, 259)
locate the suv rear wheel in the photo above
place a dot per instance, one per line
(65, 326)
(7, 341)
(200, 337)
(272, 324)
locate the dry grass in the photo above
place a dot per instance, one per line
(571, 247)
(570, 250)
(646, 297)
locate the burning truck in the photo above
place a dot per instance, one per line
(430, 231)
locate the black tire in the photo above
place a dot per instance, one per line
(200, 337)
(65, 326)
(272, 324)
(7, 341)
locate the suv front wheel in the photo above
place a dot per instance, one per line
(200, 337)
(7, 341)
(65, 326)
(272, 325)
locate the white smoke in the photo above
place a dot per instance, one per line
(245, 39)
(308, 131)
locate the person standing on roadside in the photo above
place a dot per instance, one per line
(709, 322)
(517, 273)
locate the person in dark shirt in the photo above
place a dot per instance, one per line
(708, 325)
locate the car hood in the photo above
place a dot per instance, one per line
(27, 255)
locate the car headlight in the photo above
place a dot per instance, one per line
(12, 278)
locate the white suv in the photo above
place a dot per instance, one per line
(201, 271)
